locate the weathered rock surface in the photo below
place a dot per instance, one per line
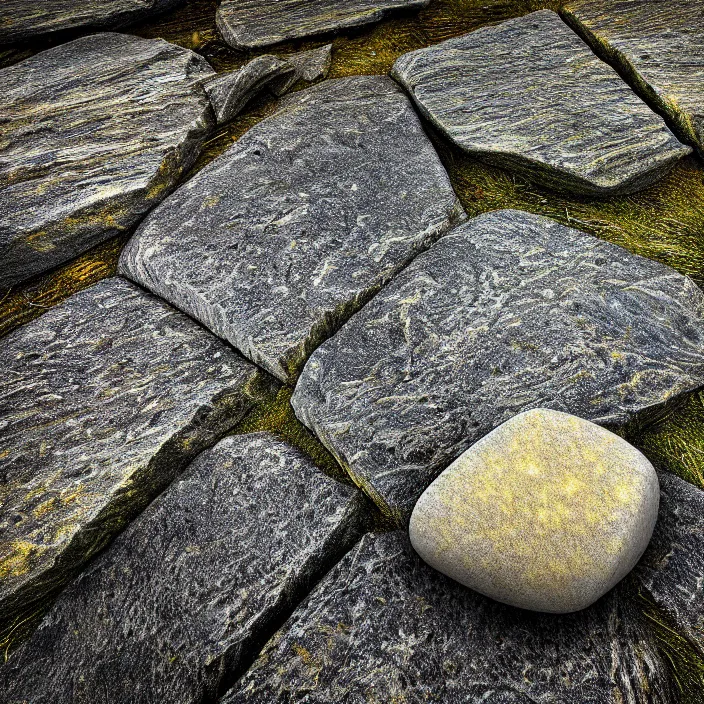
(308, 66)
(104, 399)
(246, 24)
(94, 133)
(384, 627)
(277, 242)
(659, 46)
(193, 584)
(22, 19)
(529, 95)
(510, 311)
(547, 512)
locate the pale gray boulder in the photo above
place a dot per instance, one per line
(94, 133)
(509, 312)
(530, 96)
(278, 241)
(194, 586)
(104, 400)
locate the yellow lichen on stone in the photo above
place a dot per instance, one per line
(18, 558)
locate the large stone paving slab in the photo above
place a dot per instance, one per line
(95, 133)
(103, 400)
(384, 627)
(508, 312)
(194, 584)
(659, 46)
(246, 24)
(530, 95)
(277, 242)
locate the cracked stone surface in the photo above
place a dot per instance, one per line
(88, 151)
(105, 398)
(24, 19)
(530, 96)
(194, 583)
(510, 311)
(309, 66)
(383, 626)
(659, 46)
(247, 24)
(278, 241)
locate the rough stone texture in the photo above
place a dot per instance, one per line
(547, 512)
(384, 627)
(246, 24)
(94, 133)
(278, 241)
(529, 95)
(197, 581)
(22, 19)
(509, 312)
(309, 66)
(230, 92)
(659, 46)
(104, 399)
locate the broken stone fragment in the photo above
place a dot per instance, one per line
(547, 512)
(384, 627)
(248, 24)
(659, 47)
(309, 66)
(281, 239)
(88, 146)
(105, 399)
(510, 311)
(195, 584)
(530, 96)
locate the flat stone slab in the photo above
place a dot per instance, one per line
(23, 19)
(384, 627)
(105, 398)
(530, 96)
(509, 312)
(247, 24)
(277, 242)
(194, 584)
(95, 133)
(547, 512)
(659, 46)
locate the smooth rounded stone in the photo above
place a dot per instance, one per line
(659, 47)
(195, 585)
(547, 512)
(23, 19)
(104, 399)
(248, 24)
(530, 96)
(508, 312)
(384, 627)
(309, 66)
(95, 133)
(281, 239)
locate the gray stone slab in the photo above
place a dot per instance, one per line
(309, 66)
(384, 627)
(95, 133)
(103, 400)
(659, 47)
(247, 24)
(194, 584)
(530, 96)
(277, 242)
(510, 311)
(23, 19)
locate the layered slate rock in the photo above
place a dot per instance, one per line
(23, 19)
(510, 311)
(278, 241)
(659, 47)
(105, 398)
(247, 24)
(95, 133)
(194, 584)
(309, 66)
(530, 96)
(383, 626)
